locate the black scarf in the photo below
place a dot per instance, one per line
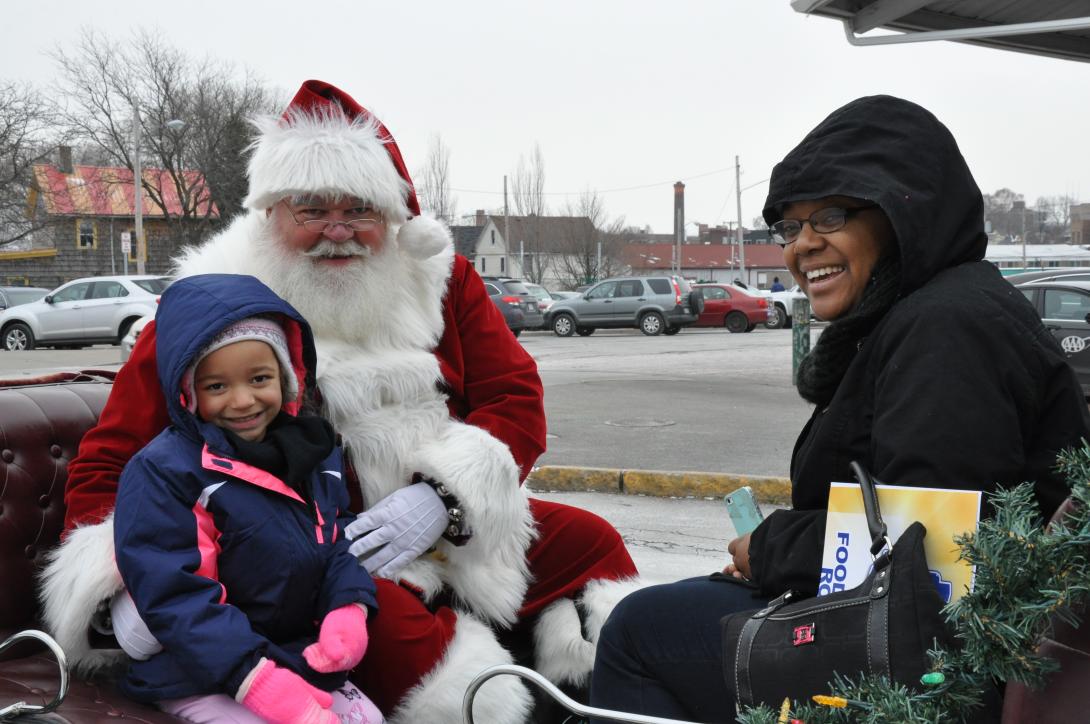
(292, 448)
(820, 371)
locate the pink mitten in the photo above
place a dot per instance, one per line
(281, 696)
(342, 640)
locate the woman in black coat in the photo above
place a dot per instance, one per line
(934, 372)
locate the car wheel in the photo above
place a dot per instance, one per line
(736, 322)
(516, 332)
(752, 326)
(779, 321)
(652, 324)
(696, 301)
(18, 337)
(126, 325)
(563, 325)
(671, 331)
(584, 331)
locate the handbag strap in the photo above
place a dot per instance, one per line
(879, 534)
(743, 686)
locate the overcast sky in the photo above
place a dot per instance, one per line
(624, 96)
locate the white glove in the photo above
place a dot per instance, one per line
(397, 529)
(131, 631)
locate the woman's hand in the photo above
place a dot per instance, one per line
(739, 549)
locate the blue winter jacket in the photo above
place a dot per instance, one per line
(225, 562)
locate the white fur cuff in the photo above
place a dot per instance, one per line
(489, 572)
(79, 575)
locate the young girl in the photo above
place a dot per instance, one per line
(229, 525)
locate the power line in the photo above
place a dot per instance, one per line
(606, 191)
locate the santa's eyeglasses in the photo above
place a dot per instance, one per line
(321, 226)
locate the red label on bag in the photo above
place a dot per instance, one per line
(804, 634)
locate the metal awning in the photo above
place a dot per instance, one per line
(1055, 28)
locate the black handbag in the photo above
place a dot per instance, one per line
(883, 627)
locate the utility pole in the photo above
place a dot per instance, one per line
(138, 193)
(507, 229)
(679, 224)
(738, 199)
(1015, 207)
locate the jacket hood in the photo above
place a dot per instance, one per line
(194, 310)
(899, 156)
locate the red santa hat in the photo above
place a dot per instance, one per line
(327, 144)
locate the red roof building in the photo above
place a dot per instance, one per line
(86, 214)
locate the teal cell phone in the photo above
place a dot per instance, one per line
(744, 512)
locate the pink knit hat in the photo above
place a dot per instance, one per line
(261, 329)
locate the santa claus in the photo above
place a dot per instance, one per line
(440, 411)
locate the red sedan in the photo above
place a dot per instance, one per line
(726, 305)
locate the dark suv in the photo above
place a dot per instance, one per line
(518, 305)
(654, 305)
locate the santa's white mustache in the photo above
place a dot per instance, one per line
(334, 249)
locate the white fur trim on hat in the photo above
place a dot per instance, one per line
(423, 237)
(323, 152)
(260, 329)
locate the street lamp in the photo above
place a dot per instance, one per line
(175, 124)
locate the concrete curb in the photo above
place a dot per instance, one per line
(662, 483)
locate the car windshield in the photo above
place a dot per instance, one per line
(153, 286)
(539, 292)
(516, 287)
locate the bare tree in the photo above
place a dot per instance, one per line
(591, 250)
(998, 209)
(1054, 217)
(26, 137)
(109, 85)
(434, 177)
(528, 184)
(530, 234)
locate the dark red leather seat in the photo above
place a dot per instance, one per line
(41, 423)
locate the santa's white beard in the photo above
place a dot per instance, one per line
(353, 302)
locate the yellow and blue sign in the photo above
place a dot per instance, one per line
(846, 558)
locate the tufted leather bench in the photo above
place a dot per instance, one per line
(41, 423)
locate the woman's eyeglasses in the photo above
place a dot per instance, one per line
(321, 226)
(823, 221)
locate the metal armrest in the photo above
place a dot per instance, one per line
(549, 688)
(21, 707)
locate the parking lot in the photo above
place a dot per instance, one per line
(704, 400)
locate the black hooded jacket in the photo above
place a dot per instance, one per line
(958, 385)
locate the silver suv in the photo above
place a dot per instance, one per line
(654, 305)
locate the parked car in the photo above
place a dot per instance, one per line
(514, 293)
(728, 306)
(560, 296)
(129, 340)
(1064, 307)
(12, 296)
(543, 296)
(783, 304)
(82, 312)
(654, 305)
(1068, 273)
